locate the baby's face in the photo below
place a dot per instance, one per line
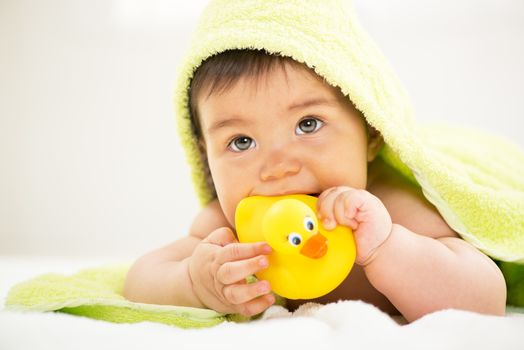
(273, 136)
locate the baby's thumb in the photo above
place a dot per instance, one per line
(221, 236)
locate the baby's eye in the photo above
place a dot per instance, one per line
(308, 125)
(242, 143)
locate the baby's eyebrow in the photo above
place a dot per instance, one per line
(228, 122)
(315, 101)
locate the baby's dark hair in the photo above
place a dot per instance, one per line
(220, 72)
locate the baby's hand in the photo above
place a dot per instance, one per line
(218, 268)
(360, 210)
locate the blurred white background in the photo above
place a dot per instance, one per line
(90, 163)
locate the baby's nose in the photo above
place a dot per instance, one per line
(279, 167)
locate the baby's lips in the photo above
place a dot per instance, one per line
(315, 247)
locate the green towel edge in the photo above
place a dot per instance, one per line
(26, 296)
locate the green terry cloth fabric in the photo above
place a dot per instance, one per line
(97, 293)
(514, 275)
(475, 180)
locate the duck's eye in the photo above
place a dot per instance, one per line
(295, 239)
(309, 224)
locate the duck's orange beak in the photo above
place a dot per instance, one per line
(315, 247)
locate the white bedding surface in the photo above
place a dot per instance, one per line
(349, 324)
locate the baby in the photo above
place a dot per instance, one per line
(283, 97)
(269, 125)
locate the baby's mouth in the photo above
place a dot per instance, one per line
(286, 193)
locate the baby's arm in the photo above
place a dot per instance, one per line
(420, 274)
(205, 269)
(417, 273)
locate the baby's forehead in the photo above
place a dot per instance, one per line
(292, 78)
(289, 88)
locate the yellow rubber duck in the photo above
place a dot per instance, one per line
(307, 261)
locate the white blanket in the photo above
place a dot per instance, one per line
(345, 325)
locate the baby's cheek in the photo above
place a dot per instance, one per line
(230, 216)
(228, 208)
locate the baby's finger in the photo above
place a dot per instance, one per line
(242, 293)
(345, 210)
(256, 306)
(241, 251)
(235, 271)
(357, 205)
(323, 196)
(325, 207)
(221, 236)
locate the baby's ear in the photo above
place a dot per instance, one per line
(375, 143)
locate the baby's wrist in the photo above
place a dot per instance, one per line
(370, 257)
(193, 298)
